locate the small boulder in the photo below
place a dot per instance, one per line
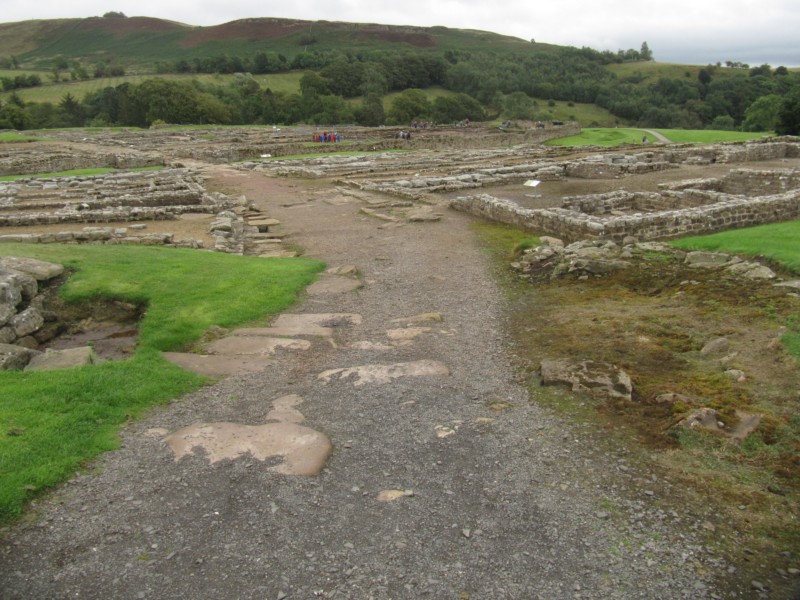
(707, 259)
(26, 322)
(14, 358)
(716, 346)
(598, 379)
(62, 359)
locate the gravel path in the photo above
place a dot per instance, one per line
(489, 496)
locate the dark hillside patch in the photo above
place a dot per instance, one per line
(245, 29)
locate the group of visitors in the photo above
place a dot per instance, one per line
(327, 136)
(403, 135)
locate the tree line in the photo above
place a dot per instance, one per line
(349, 87)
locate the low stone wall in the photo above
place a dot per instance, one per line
(99, 235)
(22, 313)
(729, 212)
(52, 159)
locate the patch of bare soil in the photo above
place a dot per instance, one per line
(111, 327)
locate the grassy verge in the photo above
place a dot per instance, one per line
(13, 136)
(53, 422)
(75, 173)
(747, 490)
(777, 242)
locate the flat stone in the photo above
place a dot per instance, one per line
(308, 324)
(62, 359)
(254, 344)
(406, 333)
(304, 451)
(217, 365)
(333, 284)
(38, 269)
(383, 374)
(598, 379)
(707, 259)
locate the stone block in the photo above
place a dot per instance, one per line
(62, 359)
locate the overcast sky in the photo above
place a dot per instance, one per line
(681, 31)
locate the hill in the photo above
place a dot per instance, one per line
(141, 42)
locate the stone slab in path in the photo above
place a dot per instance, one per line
(218, 365)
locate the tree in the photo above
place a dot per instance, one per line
(14, 117)
(517, 105)
(789, 114)
(763, 114)
(409, 105)
(645, 52)
(457, 108)
(371, 112)
(72, 109)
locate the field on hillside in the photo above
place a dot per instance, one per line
(615, 136)
(650, 71)
(54, 92)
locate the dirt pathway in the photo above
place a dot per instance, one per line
(443, 482)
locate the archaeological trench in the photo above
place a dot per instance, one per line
(591, 205)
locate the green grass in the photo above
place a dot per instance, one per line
(704, 136)
(76, 173)
(13, 136)
(588, 115)
(54, 92)
(777, 241)
(605, 137)
(504, 242)
(616, 136)
(51, 423)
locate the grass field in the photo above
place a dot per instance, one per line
(13, 136)
(51, 423)
(704, 136)
(605, 137)
(609, 137)
(54, 92)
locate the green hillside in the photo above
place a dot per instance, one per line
(133, 71)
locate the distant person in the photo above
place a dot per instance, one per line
(644, 139)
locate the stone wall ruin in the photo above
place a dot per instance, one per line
(742, 198)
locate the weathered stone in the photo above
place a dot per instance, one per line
(6, 312)
(707, 259)
(751, 270)
(62, 359)
(709, 420)
(716, 346)
(38, 269)
(383, 374)
(26, 322)
(7, 335)
(14, 358)
(601, 380)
